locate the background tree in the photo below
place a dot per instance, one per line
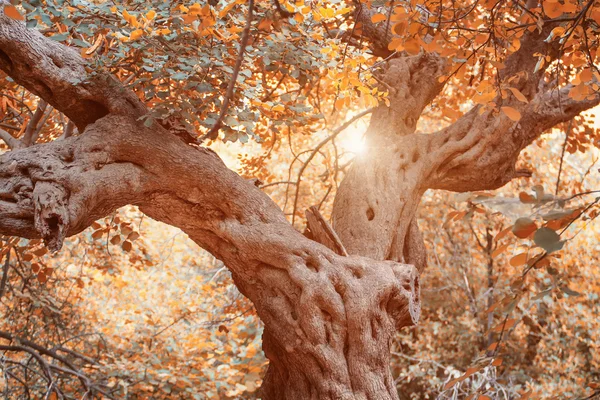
(330, 303)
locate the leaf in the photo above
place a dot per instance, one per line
(500, 250)
(518, 260)
(11, 12)
(502, 233)
(520, 96)
(412, 46)
(42, 278)
(548, 240)
(542, 294)
(126, 246)
(497, 362)
(136, 34)
(526, 198)
(378, 18)
(511, 113)
(505, 326)
(569, 291)
(265, 25)
(450, 384)
(151, 15)
(395, 44)
(133, 236)
(523, 228)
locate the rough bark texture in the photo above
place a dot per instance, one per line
(328, 318)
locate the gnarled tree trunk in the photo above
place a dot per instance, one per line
(329, 319)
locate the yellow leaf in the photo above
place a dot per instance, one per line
(12, 12)
(512, 113)
(520, 96)
(136, 34)
(195, 9)
(278, 107)
(378, 18)
(151, 14)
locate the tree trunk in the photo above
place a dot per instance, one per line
(328, 318)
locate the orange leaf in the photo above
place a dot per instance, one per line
(526, 198)
(395, 44)
(12, 12)
(265, 25)
(512, 113)
(502, 233)
(412, 46)
(378, 18)
(518, 260)
(450, 384)
(496, 363)
(499, 250)
(509, 324)
(523, 228)
(126, 246)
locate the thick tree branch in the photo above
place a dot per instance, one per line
(57, 74)
(32, 126)
(479, 152)
(11, 141)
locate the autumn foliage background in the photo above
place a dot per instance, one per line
(511, 273)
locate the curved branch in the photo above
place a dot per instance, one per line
(480, 152)
(58, 75)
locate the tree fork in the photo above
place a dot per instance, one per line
(328, 319)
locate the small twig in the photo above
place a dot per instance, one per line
(5, 274)
(278, 183)
(562, 157)
(33, 123)
(323, 232)
(213, 133)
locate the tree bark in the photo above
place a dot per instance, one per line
(329, 319)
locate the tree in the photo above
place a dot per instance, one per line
(330, 303)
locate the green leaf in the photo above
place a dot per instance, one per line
(548, 240)
(60, 37)
(542, 294)
(570, 292)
